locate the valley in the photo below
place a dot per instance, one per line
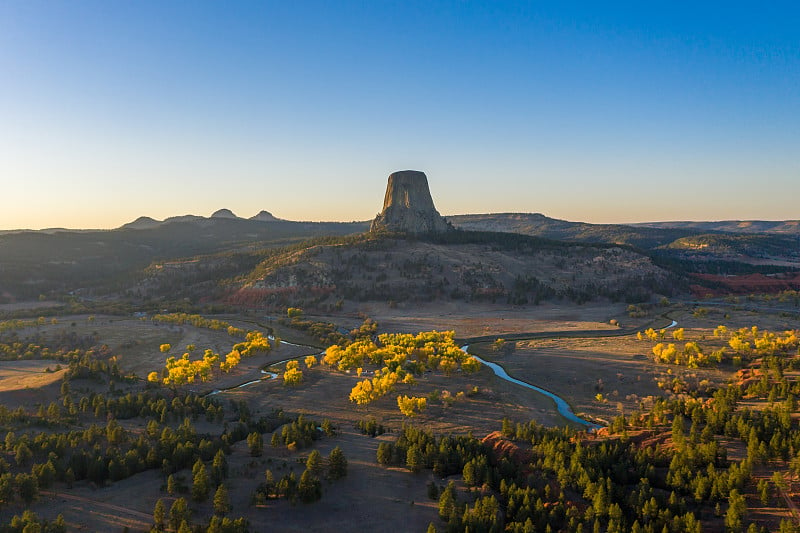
(267, 374)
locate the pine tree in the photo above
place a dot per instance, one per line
(200, 483)
(309, 489)
(447, 501)
(255, 442)
(414, 459)
(159, 514)
(219, 467)
(178, 513)
(736, 511)
(337, 464)
(384, 453)
(221, 501)
(314, 462)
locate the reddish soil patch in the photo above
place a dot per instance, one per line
(748, 284)
(502, 447)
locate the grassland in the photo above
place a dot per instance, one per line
(620, 368)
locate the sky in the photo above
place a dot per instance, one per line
(596, 111)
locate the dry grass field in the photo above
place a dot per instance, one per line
(476, 319)
(619, 368)
(28, 383)
(577, 369)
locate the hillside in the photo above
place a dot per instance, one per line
(465, 266)
(761, 246)
(538, 225)
(35, 263)
(788, 227)
(696, 241)
(150, 258)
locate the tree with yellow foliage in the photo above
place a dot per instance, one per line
(293, 375)
(411, 406)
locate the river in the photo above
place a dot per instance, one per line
(562, 406)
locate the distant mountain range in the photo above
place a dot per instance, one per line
(36, 262)
(732, 226)
(637, 233)
(645, 234)
(227, 214)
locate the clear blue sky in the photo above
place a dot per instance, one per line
(638, 112)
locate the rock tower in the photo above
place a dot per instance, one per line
(408, 206)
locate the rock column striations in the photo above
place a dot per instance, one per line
(408, 206)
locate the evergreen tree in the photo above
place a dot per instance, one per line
(384, 453)
(314, 462)
(736, 511)
(337, 464)
(219, 467)
(414, 459)
(309, 489)
(22, 454)
(222, 503)
(255, 442)
(27, 488)
(178, 513)
(269, 483)
(447, 502)
(201, 485)
(159, 515)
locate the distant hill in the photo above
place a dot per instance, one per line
(142, 223)
(731, 226)
(742, 242)
(35, 262)
(468, 266)
(223, 213)
(264, 216)
(55, 261)
(538, 225)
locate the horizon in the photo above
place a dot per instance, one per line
(281, 219)
(589, 113)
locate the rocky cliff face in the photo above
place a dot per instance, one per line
(408, 206)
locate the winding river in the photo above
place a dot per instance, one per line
(562, 406)
(267, 375)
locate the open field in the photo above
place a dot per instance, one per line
(619, 368)
(136, 342)
(476, 319)
(577, 369)
(27, 383)
(369, 494)
(486, 399)
(16, 375)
